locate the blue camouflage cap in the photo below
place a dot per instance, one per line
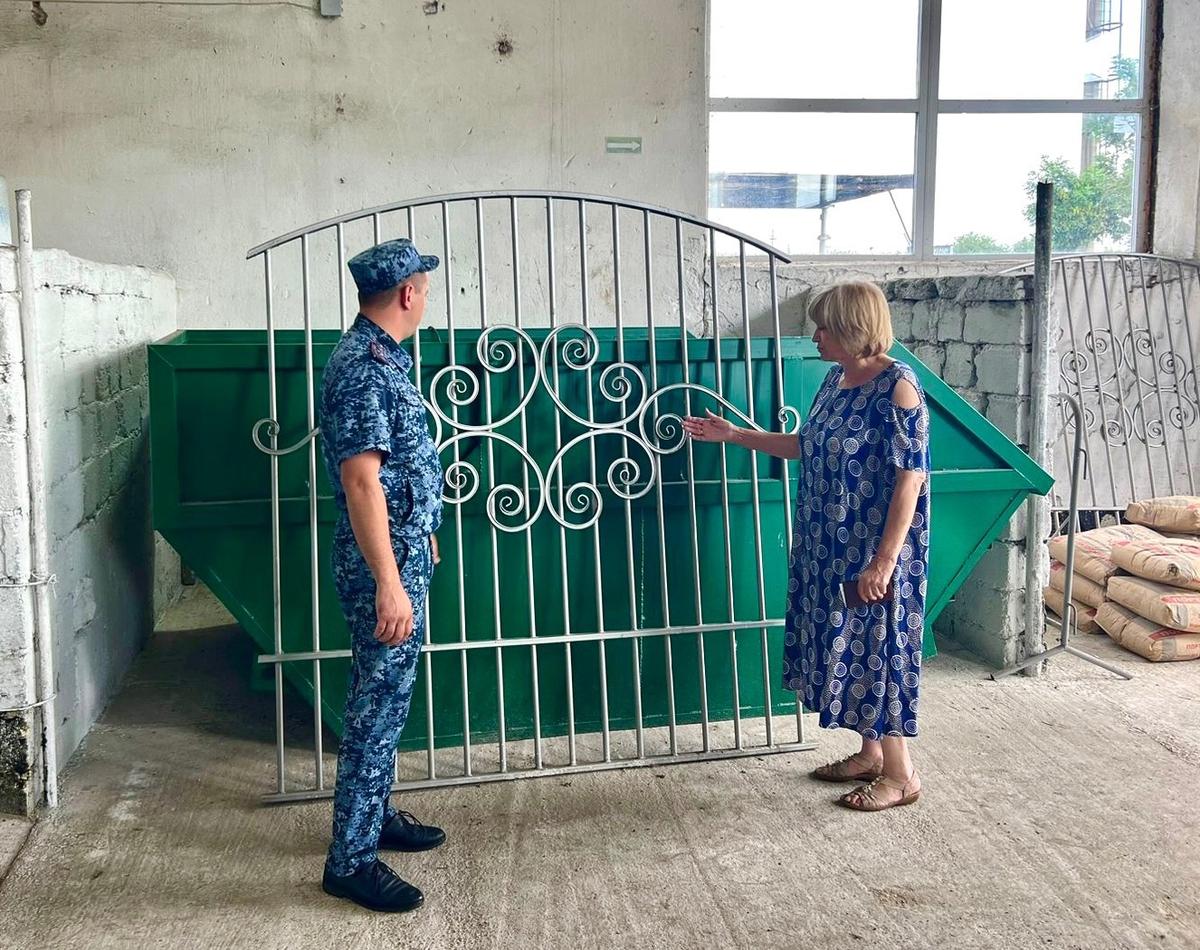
(385, 265)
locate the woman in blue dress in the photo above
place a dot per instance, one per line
(860, 552)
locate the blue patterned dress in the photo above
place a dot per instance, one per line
(857, 668)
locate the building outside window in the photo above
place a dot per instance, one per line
(919, 127)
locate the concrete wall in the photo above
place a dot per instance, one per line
(177, 137)
(94, 321)
(1177, 199)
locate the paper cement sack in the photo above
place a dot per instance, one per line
(1083, 589)
(1144, 637)
(1177, 513)
(1093, 549)
(1166, 606)
(1166, 560)
(1085, 616)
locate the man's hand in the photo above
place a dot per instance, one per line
(874, 582)
(393, 612)
(433, 548)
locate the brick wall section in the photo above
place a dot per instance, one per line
(94, 321)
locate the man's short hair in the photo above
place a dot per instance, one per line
(385, 297)
(381, 299)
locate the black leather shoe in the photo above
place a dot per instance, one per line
(405, 833)
(374, 886)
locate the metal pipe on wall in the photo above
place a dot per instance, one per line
(39, 545)
(1039, 417)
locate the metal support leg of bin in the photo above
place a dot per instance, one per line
(1068, 620)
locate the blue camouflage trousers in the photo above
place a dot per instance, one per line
(377, 703)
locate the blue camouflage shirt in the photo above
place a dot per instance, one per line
(369, 403)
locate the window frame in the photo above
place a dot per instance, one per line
(928, 106)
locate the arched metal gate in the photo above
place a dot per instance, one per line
(609, 593)
(1127, 351)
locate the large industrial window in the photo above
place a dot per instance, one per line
(919, 127)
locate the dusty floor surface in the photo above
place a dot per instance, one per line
(1059, 812)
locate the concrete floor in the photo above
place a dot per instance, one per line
(1059, 812)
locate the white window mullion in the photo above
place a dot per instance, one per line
(925, 163)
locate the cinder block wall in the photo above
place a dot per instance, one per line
(975, 333)
(94, 321)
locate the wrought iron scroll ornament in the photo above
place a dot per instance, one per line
(1108, 371)
(646, 436)
(272, 429)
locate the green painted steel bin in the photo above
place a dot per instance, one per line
(667, 558)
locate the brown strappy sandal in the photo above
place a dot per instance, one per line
(863, 798)
(840, 771)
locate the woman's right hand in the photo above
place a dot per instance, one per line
(712, 428)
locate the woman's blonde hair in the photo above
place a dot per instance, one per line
(857, 314)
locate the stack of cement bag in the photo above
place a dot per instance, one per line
(1155, 610)
(1139, 582)
(1094, 567)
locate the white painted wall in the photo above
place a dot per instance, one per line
(177, 137)
(18, 746)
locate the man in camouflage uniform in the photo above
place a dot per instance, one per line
(387, 480)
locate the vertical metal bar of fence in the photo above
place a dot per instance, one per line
(690, 476)
(785, 484)
(726, 520)
(755, 500)
(430, 724)
(551, 286)
(497, 620)
(276, 546)
(341, 278)
(673, 732)
(452, 341)
(524, 434)
(634, 619)
(313, 526)
(585, 302)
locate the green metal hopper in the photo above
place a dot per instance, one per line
(211, 491)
